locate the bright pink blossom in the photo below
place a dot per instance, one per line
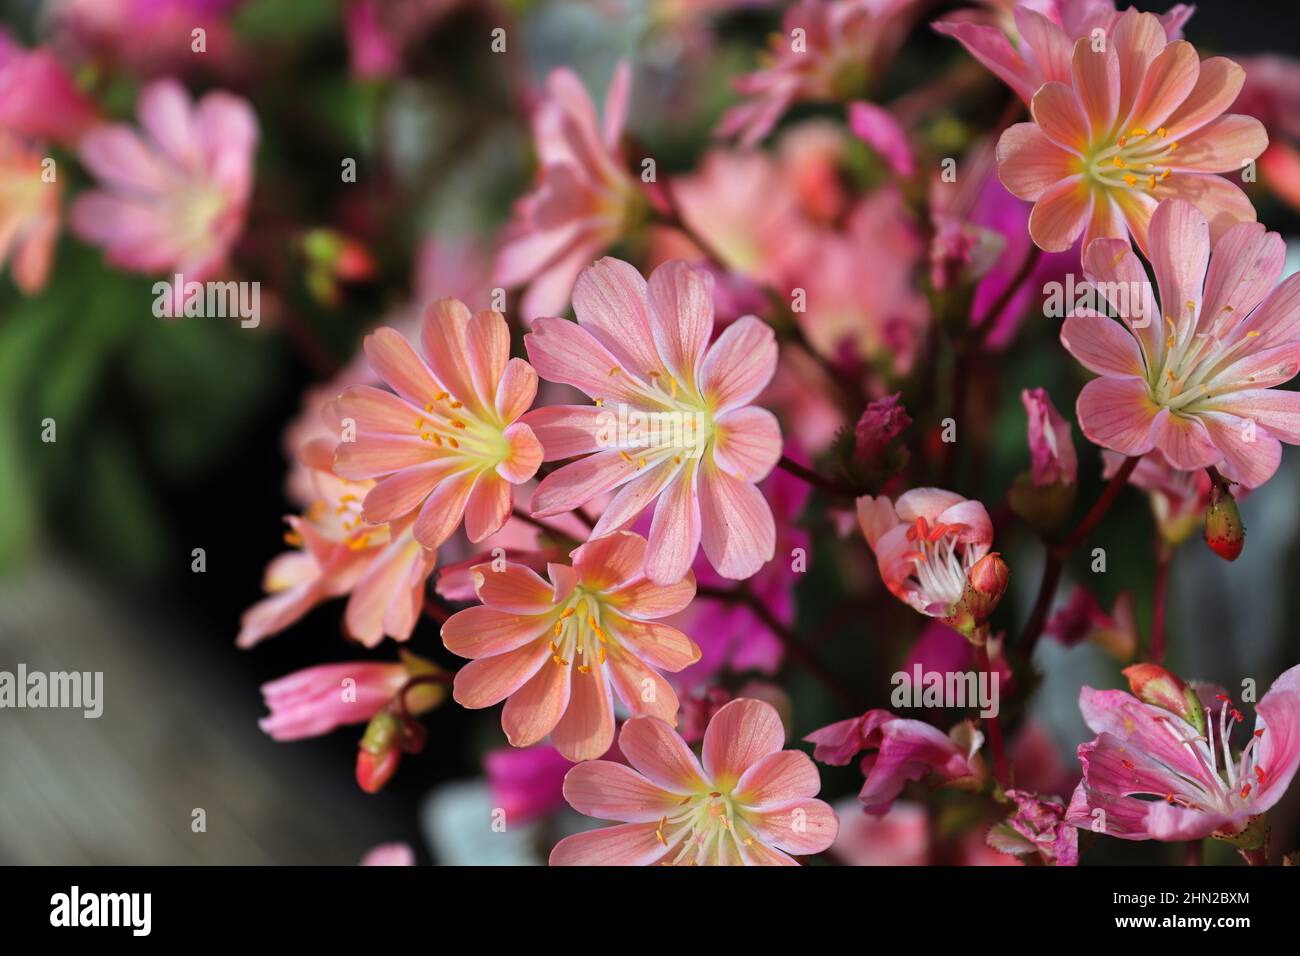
(1192, 376)
(29, 214)
(447, 446)
(174, 194)
(672, 426)
(149, 36)
(1050, 443)
(560, 649)
(748, 803)
(584, 201)
(1122, 129)
(899, 750)
(1038, 828)
(1158, 777)
(526, 782)
(316, 700)
(925, 544)
(38, 99)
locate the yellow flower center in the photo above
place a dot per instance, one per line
(1136, 160)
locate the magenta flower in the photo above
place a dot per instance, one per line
(584, 201)
(29, 214)
(447, 446)
(316, 700)
(1037, 827)
(926, 544)
(826, 50)
(899, 750)
(526, 782)
(174, 195)
(672, 424)
(1150, 774)
(1137, 123)
(1193, 376)
(560, 649)
(749, 803)
(1050, 444)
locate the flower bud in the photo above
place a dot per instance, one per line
(871, 454)
(1224, 532)
(985, 584)
(380, 752)
(1154, 685)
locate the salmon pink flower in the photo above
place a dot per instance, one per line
(672, 422)
(382, 567)
(447, 446)
(174, 197)
(556, 648)
(926, 544)
(316, 700)
(29, 214)
(899, 750)
(748, 803)
(1194, 377)
(1156, 776)
(1138, 122)
(584, 202)
(826, 50)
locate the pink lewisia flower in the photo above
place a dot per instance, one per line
(382, 567)
(1193, 377)
(749, 803)
(899, 750)
(29, 214)
(826, 50)
(1050, 444)
(447, 446)
(174, 197)
(1037, 827)
(314, 701)
(1137, 123)
(640, 350)
(556, 648)
(1200, 786)
(925, 544)
(38, 99)
(584, 200)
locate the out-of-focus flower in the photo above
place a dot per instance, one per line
(379, 32)
(1050, 444)
(1081, 618)
(332, 260)
(526, 782)
(1272, 96)
(812, 155)
(1178, 498)
(926, 544)
(882, 321)
(871, 453)
(1139, 122)
(672, 425)
(1155, 776)
(557, 648)
(1027, 44)
(38, 99)
(317, 700)
(1194, 378)
(878, 128)
(1037, 827)
(584, 201)
(382, 567)
(749, 803)
(826, 50)
(147, 36)
(899, 750)
(730, 635)
(389, 854)
(447, 446)
(900, 837)
(29, 214)
(174, 194)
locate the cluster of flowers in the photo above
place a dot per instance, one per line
(598, 543)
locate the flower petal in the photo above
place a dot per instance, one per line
(740, 734)
(629, 844)
(659, 645)
(777, 779)
(490, 680)
(610, 301)
(1102, 345)
(481, 631)
(1117, 413)
(1059, 216)
(400, 366)
(675, 529)
(1029, 163)
(534, 709)
(611, 791)
(516, 588)
(443, 509)
(801, 827)
(738, 530)
(681, 316)
(586, 731)
(739, 364)
(662, 757)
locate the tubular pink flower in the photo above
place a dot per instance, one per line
(314, 701)
(672, 426)
(1050, 444)
(174, 195)
(447, 446)
(748, 803)
(557, 648)
(1130, 125)
(1157, 777)
(925, 544)
(584, 201)
(1194, 375)
(29, 214)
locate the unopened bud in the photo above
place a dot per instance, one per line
(1224, 532)
(1154, 685)
(985, 584)
(380, 752)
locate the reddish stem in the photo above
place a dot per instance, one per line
(1158, 603)
(829, 485)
